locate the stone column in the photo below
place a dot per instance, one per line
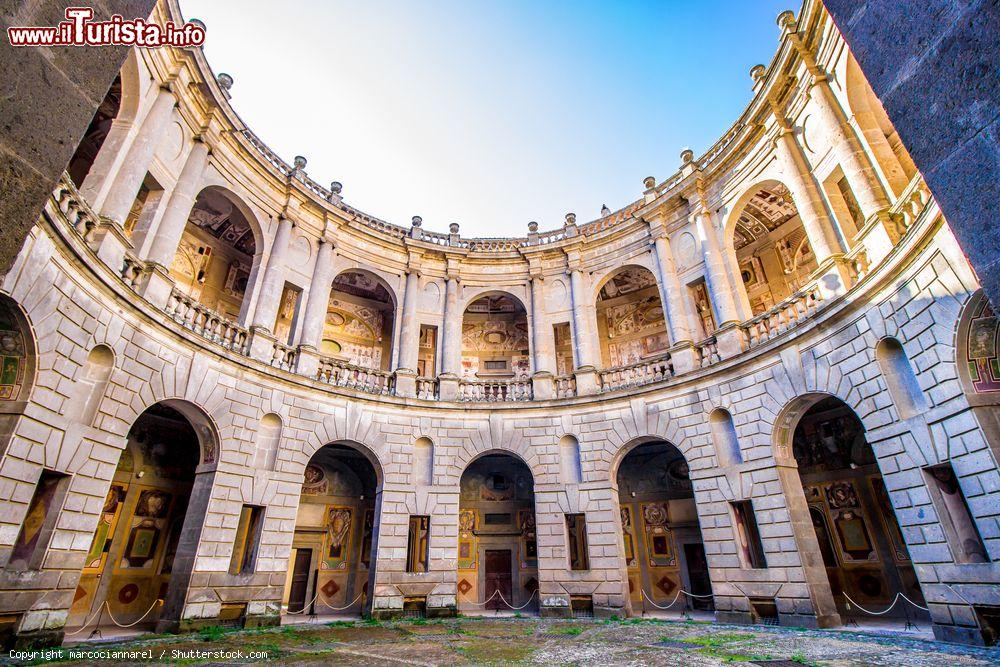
(583, 350)
(848, 150)
(171, 228)
(728, 335)
(542, 353)
(140, 154)
(409, 336)
(823, 235)
(681, 339)
(268, 301)
(314, 316)
(451, 342)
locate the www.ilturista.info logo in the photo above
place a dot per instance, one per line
(79, 30)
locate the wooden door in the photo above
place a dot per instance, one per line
(498, 578)
(300, 580)
(701, 583)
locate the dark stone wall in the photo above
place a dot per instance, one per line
(47, 98)
(935, 64)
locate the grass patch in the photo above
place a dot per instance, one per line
(571, 630)
(718, 639)
(212, 633)
(340, 624)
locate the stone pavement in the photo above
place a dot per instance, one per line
(533, 641)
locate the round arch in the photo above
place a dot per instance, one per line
(613, 272)
(19, 338)
(495, 343)
(361, 320)
(630, 316)
(360, 448)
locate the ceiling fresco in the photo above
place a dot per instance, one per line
(767, 210)
(214, 213)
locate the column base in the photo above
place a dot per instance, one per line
(683, 357)
(587, 382)
(158, 286)
(112, 244)
(448, 387)
(834, 277)
(406, 383)
(261, 344)
(542, 386)
(729, 340)
(307, 361)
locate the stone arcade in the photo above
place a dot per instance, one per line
(225, 394)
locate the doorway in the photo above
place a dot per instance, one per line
(697, 569)
(300, 580)
(498, 577)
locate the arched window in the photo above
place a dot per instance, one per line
(92, 384)
(727, 444)
(423, 462)
(268, 441)
(900, 378)
(569, 457)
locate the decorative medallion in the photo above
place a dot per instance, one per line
(330, 588)
(128, 593)
(464, 586)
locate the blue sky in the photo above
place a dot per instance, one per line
(489, 114)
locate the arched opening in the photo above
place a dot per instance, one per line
(359, 321)
(727, 443)
(142, 552)
(771, 249)
(497, 538)
(218, 252)
(97, 132)
(663, 547)
(880, 135)
(332, 566)
(17, 366)
(495, 339)
(569, 460)
(978, 358)
(630, 321)
(861, 544)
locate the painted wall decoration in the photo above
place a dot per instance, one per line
(13, 355)
(314, 481)
(529, 538)
(105, 531)
(42, 502)
(338, 538)
(983, 348)
(467, 551)
(659, 540)
(626, 281)
(628, 534)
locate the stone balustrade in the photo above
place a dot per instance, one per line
(708, 352)
(565, 386)
(636, 375)
(283, 357)
(783, 316)
(910, 204)
(427, 388)
(494, 391)
(342, 374)
(205, 322)
(133, 270)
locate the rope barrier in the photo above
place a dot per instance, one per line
(914, 603)
(305, 607)
(481, 603)
(141, 618)
(692, 595)
(343, 608)
(887, 609)
(84, 626)
(513, 608)
(674, 601)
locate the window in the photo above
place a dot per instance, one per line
(851, 202)
(248, 532)
(563, 337)
(287, 318)
(953, 512)
(418, 544)
(40, 521)
(748, 536)
(576, 528)
(427, 352)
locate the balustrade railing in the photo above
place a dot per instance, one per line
(77, 212)
(910, 204)
(133, 270)
(565, 386)
(206, 322)
(283, 357)
(427, 388)
(783, 316)
(638, 374)
(707, 351)
(341, 374)
(494, 391)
